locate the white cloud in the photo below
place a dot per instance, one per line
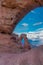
(38, 23)
(40, 29)
(33, 35)
(33, 11)
(25, 24)
(37, 35)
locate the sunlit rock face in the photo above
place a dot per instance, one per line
(11, 11)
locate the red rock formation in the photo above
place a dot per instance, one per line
(11, 43)
(26, 43)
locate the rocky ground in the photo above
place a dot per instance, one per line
(32, 57)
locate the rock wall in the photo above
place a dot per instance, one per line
(7, 18)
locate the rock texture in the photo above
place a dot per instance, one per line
(12, 43)
(32, 57)
(12, 11)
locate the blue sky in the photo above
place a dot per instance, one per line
(31, 22)
(32, 25)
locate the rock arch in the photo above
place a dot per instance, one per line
(12, 11)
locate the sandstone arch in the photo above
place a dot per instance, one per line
(12, 11)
